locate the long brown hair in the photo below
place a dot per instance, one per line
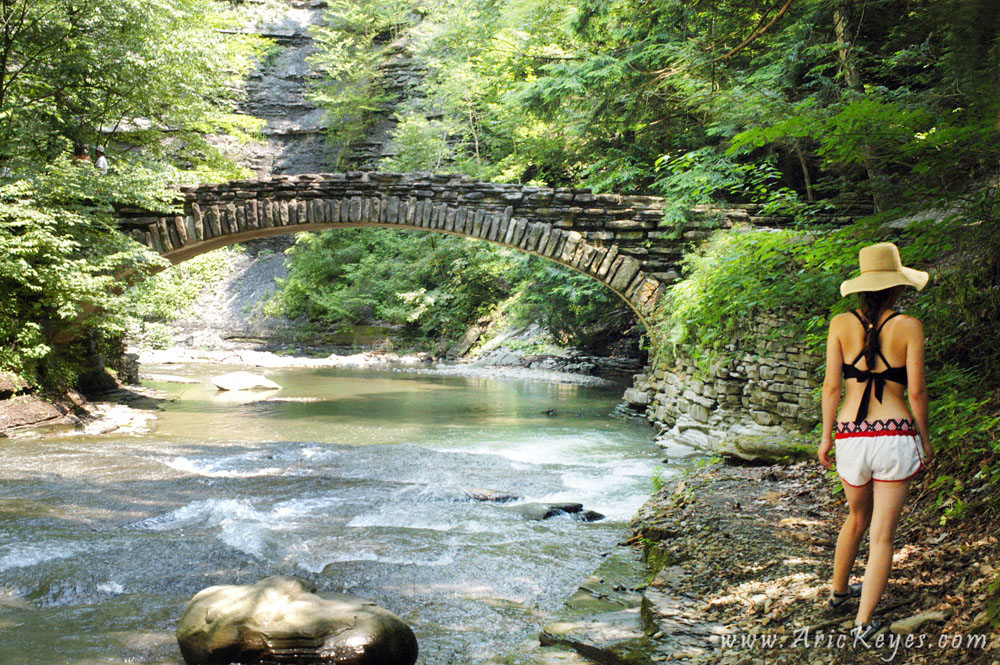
(873, 303)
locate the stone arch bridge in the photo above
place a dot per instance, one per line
(616, 239)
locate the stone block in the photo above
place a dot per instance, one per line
(624, 274)
(373, 210)
(636, 398)
(199, 221)
(609, 261)
(532, 236)
(180, 225)
(698, 412)
(786, 409)
(555, 239)
(411, 212)
(232, 219)
(392, 210)
(427, 213)
(477, 223)
(520, 227)
(573, 240)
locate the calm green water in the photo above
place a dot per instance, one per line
(354, 480)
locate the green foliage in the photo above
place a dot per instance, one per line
(576, 308)
(62, 262)
(659, 482)
(153, 77)
(421, 145)
(141, 72)
(434, 286)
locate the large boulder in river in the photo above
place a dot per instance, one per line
(244, 381)
(543, 511)
(281, 620)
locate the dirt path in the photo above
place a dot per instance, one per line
(746, 552)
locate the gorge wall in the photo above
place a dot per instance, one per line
(754, 406)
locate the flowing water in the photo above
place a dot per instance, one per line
(353, 480)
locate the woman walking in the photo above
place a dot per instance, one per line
(875, 353)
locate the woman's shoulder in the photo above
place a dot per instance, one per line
(908, 323)
(843, 319)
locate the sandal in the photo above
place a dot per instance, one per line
(837, 600)
(863, 634)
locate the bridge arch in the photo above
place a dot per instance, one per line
(604, 236)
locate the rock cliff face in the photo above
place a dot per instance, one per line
(754, 408)
(277, 92)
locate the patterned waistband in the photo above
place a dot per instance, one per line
(896, 426)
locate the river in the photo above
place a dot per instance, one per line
(354, 480)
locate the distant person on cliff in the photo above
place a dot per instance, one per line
(102, 162)
(80, 155)
(875, 353)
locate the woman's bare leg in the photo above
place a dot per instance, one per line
(887, 506)
(859, 499)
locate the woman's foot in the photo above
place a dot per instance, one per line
(863, 634)
(837, 600)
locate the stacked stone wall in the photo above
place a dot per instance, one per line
(752, 406)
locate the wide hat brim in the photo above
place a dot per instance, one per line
(878, 280)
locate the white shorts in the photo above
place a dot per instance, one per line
(882, 450)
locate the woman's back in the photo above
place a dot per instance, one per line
(893, 341)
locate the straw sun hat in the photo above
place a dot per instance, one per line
(882, 269)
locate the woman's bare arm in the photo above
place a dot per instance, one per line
(832, 384)
(916, 383)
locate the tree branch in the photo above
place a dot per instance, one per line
(749, 40)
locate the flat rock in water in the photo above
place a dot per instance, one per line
(611, 637)
(279, 619)
(243, 381)
(490, 496)
(34, 413)
(544, 511)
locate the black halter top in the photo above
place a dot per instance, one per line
(875, 380)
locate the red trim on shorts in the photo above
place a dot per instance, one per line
(887, 432)
(853, 485)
